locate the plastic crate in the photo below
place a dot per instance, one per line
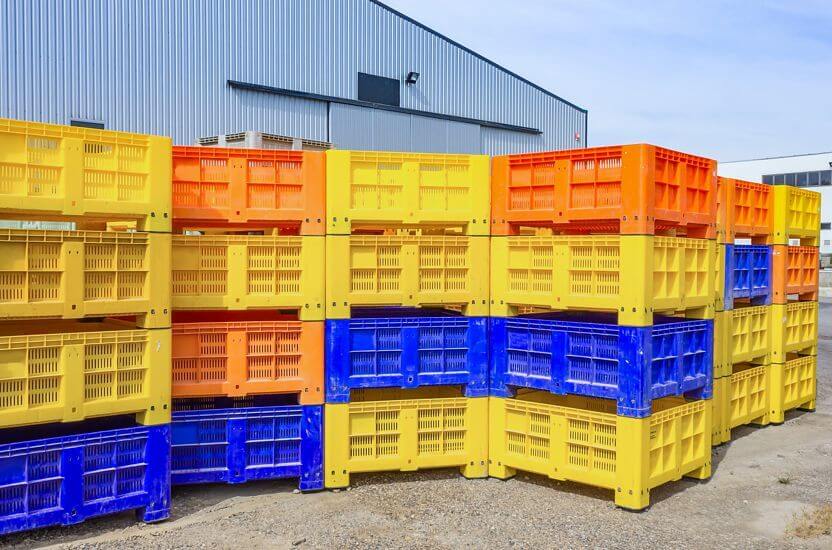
(596, 357)
(67, 480)
(635, 276)
(793, 386)
(719, 277)
(250, 188)
(745, 210)
(581, 439)
(51, 171)
(215, 358)
(366, 188)
(741, 399)
(630, 189)
(406, 270)
(240, 445)
(794, 329)
(796, 215)
(263, 140)
(236, 272)
(405, 435)
(393, 349)
(795, 271)
(742, 335)
(747, 274)
(63, 372)
(75, 274)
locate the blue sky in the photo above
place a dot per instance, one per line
(730, 80)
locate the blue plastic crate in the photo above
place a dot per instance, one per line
(747, 274)
(240, 445)
(66, 480)
(406, 351)
(633, 365)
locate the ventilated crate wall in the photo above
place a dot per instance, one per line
(794, 329)
(748, 277)
(745, 210)
(793, 386)
(742, 335)
(795, 272)
(796, 215)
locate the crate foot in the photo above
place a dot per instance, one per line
(701, 473)
(151, 514)
(476, 470)
(808, 407)
(337, 479)
(500, 471)
(632, 499)
(155, 415)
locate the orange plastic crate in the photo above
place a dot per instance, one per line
(744, 209)
(217, 187)
(795, 272)
(242, 357)
(631, 189)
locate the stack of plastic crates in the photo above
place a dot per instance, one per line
(248, 321)
(766, 331)
(85, 338)
(602, 302)
(407, 304)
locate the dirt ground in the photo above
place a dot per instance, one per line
(761, 481)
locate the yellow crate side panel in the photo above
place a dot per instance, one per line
(750, 334)
(405, 435)
(796, 215)
(794, 328)
(56, 170)
(238, 272)
(793, 386)
(72, 376)
(749, 396)
(719, 278)
(407, 188)
(75, 274)
(406, 270)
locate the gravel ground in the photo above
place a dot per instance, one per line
(761, 480)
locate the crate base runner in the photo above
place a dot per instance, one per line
(240, 445)
(582, 440)
(67, 480)
(405, 435)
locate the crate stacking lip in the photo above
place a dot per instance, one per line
(413, 432)
(747, 274)
(217, 187)
(582, 439)
(84, 370)
(406, 270)
(67, 480)
(240, 445)
(385, 189)
(630, 189)
(237, 272)
(75, 274)
(794, 329)
(248, 357)
(50, 171)
(632, 365)
(796, 215)
(635, 276)
(742, 335)
(795, 272)
(406, 352)
(744, 209)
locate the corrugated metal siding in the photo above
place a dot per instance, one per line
(160, 66)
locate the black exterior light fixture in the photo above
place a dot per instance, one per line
(412, 77)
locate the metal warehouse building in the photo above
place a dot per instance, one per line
(352, 72)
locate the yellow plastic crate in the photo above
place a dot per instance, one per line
(237, 272)
(582, 440)
(50, 171)
(794, 329)
(719, 278)
(796, 215)
(741, 335)
(83, 370)
(793, 386)
(406, 270)
(741, 399)
(405, 435)
(366, 188)
(635, 276)
(74, 274)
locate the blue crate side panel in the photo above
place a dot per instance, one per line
(747, 274)
(66, 480)
(406, 352)
(632, 365)
(240, 445)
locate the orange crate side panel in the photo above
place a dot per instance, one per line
(795, 272)
(753, 210)
(725, 214)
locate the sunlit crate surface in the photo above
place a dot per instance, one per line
(631, 189)
(747, 274)
(745, 210)
(406, 270)
(405, 434)
(248, 444)
(796, 215)
(366, 188)
(793, 386)
(581, 439)
(593, 356)
(52, 171)
(635, 276)
(742, 335)
(795, 272)
(69, 479)
(794, 329)
(74, 274)
(740, 399)
(236, 272)
(249, 188)
(238, 358)
(404, 349)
